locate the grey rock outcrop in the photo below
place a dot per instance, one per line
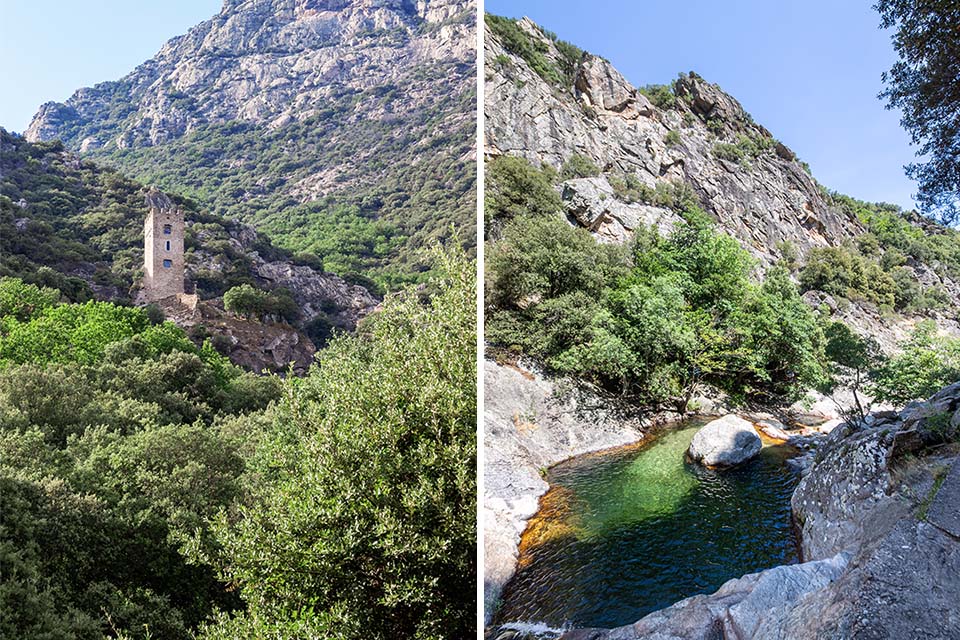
(725, 442)
(272, 62)
(746, 607)
(762, 201)
(592, 203)
(315, 292)
(249, 343)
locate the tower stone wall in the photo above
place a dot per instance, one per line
(163, 231)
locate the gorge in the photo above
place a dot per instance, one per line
(654, 251)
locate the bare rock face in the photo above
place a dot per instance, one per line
(603, 87)
(739, 609)
(319, 293)
(762, 201)
(270, 62)
(725, 442)
(48, 122)
(530, 423)
(249, 343)
(828, 505)
(591, 202)
(315, 292)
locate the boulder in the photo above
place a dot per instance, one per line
(725, 442)
(739, 609)
(593, 204)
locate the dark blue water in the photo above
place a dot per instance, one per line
(625, 533)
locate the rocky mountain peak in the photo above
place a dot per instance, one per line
(313, 120)
(262, 61)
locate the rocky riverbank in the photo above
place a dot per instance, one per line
(533, 421)
(530, 423)
(878, 514)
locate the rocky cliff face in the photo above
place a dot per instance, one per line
(268, 62)
(315, 292)
(696, 138)
(765, 198)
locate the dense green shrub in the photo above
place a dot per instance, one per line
(544, 257)
(926, 363)
(533, 51)
(111, 460)
(843, 271)
(686, 314)
(898, 233)
(727, 151)
(252, 302)
(361, 517)
(578, 166)
(515, 188)
(519, 43)
(661, 95)
(676, 196)
(140, 476)
(745, 149)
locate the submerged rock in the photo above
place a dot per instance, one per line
(725, 442)
(739, 609)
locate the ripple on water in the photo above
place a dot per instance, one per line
(630, 531)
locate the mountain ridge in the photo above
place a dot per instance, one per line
(344, 129)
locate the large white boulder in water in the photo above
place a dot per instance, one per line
(725, 442)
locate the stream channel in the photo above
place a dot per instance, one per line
(628, 531)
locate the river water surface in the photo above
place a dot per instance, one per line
(633, 530)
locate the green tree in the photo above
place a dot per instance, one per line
(362, 519)
(852, 359)
(685, 315)
(515, 188)
(245, 300)
(927, 362)
(782, 337)
(922, 84)
(22, 301)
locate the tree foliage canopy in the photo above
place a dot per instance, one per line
(683, 314)
(923, 85)
(149, 489)
(362, 518)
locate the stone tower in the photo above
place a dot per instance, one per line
(162, 248)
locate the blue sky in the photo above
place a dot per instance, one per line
(808, 70)
(50, 48)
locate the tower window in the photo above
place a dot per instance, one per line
(168, 245)
(167, 264)
(167, 229)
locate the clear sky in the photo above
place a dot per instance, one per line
(51, 48)
(808, 70)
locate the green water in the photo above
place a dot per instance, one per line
(625, 533)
